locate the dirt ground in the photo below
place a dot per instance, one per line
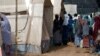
(69, 50)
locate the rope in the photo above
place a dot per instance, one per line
(19, 31)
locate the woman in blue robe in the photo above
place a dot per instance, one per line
(6, 34)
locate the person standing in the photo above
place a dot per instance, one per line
(70, 28)
(85, 33)
(6, 34)
(78, 31)
(96, 33)
(56, 31)
(96, 27)
(65, 29)
(75, 18)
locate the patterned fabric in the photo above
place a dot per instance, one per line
(85, 41)
(96, 26)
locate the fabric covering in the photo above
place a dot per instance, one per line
(6, 31)
(96, 26)
(85, 41)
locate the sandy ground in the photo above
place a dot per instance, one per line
(69, 50)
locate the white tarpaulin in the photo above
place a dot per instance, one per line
(71, 8)
(57, 6)
(9, 5)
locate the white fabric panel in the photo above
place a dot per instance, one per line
(69, 7)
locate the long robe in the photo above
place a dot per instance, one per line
(6, 31)
(6, 35)
(96, 26)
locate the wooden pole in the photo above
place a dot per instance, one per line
(16, 26)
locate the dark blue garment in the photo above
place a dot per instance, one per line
(70, 25)
(55, 25)
(70, 22)
(6, 31)
(70, 30)
(65, 34)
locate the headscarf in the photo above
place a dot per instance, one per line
(96, 25)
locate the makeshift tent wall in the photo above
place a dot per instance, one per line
(39, 33)
(62, 9)
(57, 6)
(47, 25)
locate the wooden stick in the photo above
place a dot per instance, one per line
(16, 27)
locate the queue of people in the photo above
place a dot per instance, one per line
(83, 31)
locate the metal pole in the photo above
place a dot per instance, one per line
(16, 26)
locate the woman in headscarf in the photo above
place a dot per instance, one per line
(6, 34)
(78, 31)
(85, 33)
(56, 31)
(96, 33)
(96, 26)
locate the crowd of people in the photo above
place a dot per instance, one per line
(82, 30)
